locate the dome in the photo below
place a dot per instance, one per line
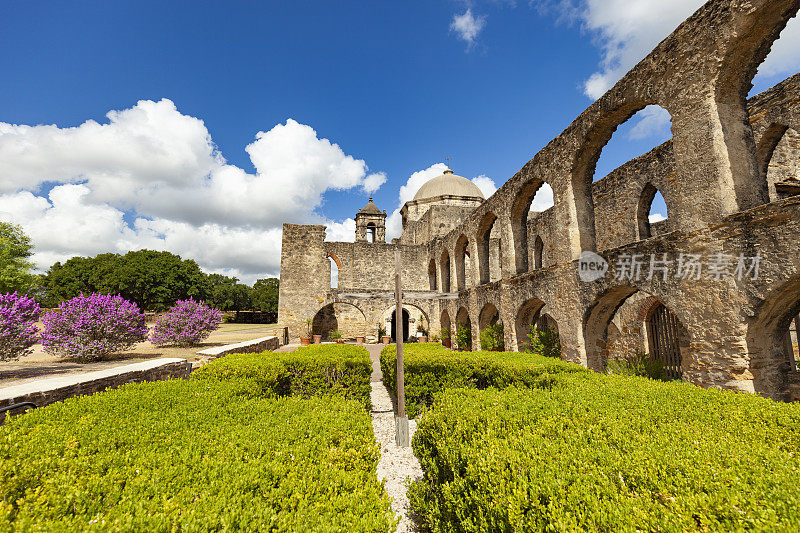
(448, 184)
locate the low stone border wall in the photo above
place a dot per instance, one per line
(252, 346)
(46, 391)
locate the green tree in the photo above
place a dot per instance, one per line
(15, 268)
(227, 294)
(154, 280)
(265, 295)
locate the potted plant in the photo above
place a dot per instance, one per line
(306, 340)
(317, 338)
(361, 339)
(336, 335)
(446, 342)
(422, 333)
(385, 339)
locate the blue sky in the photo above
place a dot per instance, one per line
(397, 85)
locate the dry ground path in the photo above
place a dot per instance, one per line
(397, 465)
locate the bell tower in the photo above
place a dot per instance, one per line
(371, 224)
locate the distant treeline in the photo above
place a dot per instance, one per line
(154, 280)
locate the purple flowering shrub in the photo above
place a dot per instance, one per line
(185, 324)
(18, 316)
(90, 328)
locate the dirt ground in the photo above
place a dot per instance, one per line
(40, 364)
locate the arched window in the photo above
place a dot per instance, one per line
(445, 271)
(538, 251)
(334, 274)
(432, 274)
(535, 196)
(463, 263)
(488, 250)
(371, 232)
(652, 210)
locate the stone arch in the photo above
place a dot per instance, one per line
(445, 269)
(660, 338)
(462, 256)
(753, 35)
(595, 331)
(526, 316)
(538, 252)
(774, 369)
(583, 233)
(483, 238)
(519, 222)
(413, 313)
(646, 197)
(444, 322)
(783, 165)
(767, 145)
(372, 232)
(489, 315)
(463, 319)
(432, 275)
(343, 316)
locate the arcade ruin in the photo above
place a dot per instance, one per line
(717, 295)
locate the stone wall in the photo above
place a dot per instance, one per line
(717, 176)
(46, 391)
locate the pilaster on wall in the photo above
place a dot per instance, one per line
(305, 276)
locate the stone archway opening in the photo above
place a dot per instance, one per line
(463, 334)
(445, 269)
(651, 213)
(489, 249)
(533, 197)
(346, 318)
(405, 318)
(772, 340)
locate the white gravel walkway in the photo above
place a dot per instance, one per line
(396, 465)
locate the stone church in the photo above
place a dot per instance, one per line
(713, 291)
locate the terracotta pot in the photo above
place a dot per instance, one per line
(361, 340)
(339, 341)
(423, 338)
(305, 341)
(317, 339)
(447, 343)
(386, 339)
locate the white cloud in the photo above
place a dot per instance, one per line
(543, 199)
(344, 231)
(485, 184)
(652, 121)
(627, 30)
(656, 217)
(467, 26)
(160, 168)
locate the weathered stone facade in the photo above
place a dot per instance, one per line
(728, 177)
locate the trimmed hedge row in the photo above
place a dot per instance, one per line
(191, 456)
(608, 453)
(329, 369)
(431, 368)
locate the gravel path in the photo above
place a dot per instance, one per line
(396, 464)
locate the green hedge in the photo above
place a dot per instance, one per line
(430, 368)
(608, 453)
(191, 456)
(329, 369)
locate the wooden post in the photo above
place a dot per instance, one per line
(401, 420)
